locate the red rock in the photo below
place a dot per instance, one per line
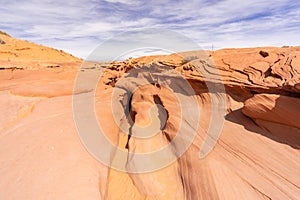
(256, 157)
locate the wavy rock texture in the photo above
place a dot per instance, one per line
(256, 157)
(258, 151)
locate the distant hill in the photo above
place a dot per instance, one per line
(15, 53)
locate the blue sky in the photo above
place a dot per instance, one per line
(79, 27)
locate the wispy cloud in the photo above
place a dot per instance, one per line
(79, 26)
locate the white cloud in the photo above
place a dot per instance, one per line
(133, 2)
(79, 26)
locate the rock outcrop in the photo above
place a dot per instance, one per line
(2, 41)
(15, 53)
(261, 120)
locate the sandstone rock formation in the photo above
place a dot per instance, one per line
(261, 118)
(22, 54)
(256, 156)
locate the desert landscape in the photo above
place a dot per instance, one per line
(256, 155)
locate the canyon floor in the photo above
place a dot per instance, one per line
(256, 155)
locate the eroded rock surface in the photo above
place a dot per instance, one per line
(256, 156)
(256, 152)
